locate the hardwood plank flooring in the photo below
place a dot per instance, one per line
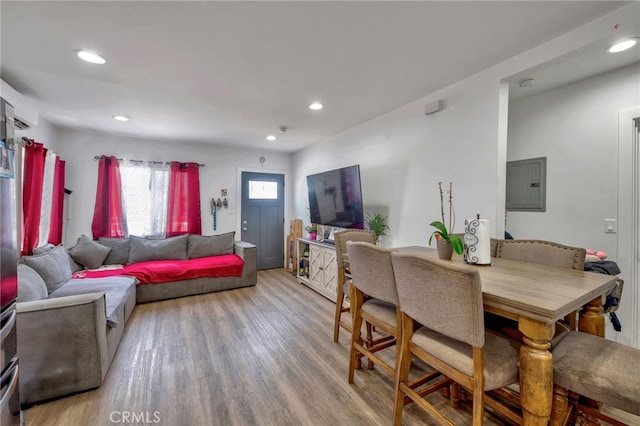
(262, 355)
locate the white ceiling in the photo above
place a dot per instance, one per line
(230, 73)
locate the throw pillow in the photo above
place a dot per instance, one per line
(75, 266)
(43, 249)
(143, 249)
(53, 266)
(214, 245)
(119, 254)
(89, 253)
(31, 286)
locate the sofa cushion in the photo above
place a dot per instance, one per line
(75, 266)
(89, 253)
(143, 249)
(116, 290)
(214, 245)
(119, 254)
(53, 266)
(31, 286)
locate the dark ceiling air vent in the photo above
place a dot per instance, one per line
(20, 124)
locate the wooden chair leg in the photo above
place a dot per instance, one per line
(369, 343)
(478, 386)
(402, 368)
(336, 322)
(356, 335)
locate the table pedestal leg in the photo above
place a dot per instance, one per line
(591, 321)
(560, 409)
(536, 371)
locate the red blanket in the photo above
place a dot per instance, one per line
(161, 271)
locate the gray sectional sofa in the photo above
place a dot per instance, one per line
(69, 329)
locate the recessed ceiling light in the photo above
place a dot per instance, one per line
(271, 138)
(121, 118)
(89, 56)
(623, 45)
(316, 106)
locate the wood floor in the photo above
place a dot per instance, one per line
(262, 355)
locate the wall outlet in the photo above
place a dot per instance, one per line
(610, 226)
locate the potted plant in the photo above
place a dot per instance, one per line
(312, 230)
(378, 224)
(446, 241)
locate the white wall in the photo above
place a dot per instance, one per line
(221, 165)
(404, 154)
(576, 128)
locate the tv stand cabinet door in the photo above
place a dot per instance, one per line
(323, 271)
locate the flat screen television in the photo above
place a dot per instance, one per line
(335, 198)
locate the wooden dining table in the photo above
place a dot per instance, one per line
(536, 296)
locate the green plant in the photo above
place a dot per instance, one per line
(377, 223)
(312, 229)
(441, 231)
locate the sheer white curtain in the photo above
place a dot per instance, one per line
(47, 198)
(144, 194)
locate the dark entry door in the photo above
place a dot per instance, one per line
(263, 216)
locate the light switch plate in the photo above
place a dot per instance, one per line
(610, 226)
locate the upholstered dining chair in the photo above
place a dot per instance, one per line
(446, 299)
(372, 276)
(544, 253)
(344, 274)
(598, 369)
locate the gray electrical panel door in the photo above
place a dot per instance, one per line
(527, 185)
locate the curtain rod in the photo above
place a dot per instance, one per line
(97, 157)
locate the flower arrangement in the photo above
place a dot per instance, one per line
(441, 231)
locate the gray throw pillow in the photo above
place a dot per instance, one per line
(53, 266)
(119, 254)
(31, 286)
(89, 253)
(43, 249)
(143, 249)
(214, 245)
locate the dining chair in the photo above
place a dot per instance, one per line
(446, 299)
(372, 276)
(543, 253)
(344, 274)
(598, 369)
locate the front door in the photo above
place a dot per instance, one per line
(262, 216)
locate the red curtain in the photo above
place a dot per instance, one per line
(183, 215)
(57, 203)
(34, 158)
(108, 220)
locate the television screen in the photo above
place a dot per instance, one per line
(335, 198)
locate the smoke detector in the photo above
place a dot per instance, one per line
(527, 82)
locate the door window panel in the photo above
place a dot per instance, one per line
(261, 190)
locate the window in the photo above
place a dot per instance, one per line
(259, 190)
(144, 198)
